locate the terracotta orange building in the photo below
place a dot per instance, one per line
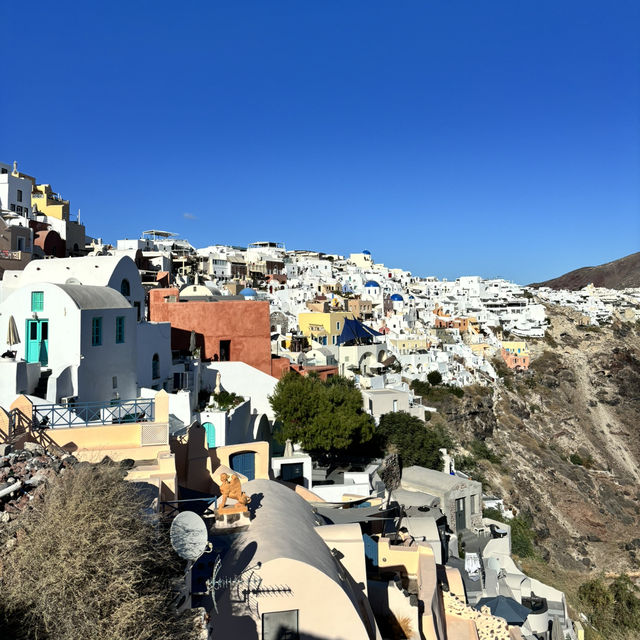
(445, 321)
(225, 330)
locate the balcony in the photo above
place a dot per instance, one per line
(85, 414)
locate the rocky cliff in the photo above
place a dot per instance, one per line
(564, 441)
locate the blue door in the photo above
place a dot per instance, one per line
(244, 463)
(211, 434)
(37, 346)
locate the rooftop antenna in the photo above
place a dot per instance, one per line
(247, 586)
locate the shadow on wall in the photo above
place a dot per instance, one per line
(181, 340)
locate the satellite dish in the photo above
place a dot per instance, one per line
(73, 281)
(189, 535)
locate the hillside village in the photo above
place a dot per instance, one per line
(164, 355)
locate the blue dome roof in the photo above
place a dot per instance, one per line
(412, 297)
(371, 283)
(247, 292)
(367, 252)
(396, 297)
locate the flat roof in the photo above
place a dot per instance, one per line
(162, 234)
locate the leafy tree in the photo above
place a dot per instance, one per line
(420, 387)
(321, 416)
(415, 442)
(434, 378)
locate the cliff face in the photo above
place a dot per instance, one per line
(567, 433)
(618, 274)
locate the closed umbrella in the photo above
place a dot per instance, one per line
(12, 332)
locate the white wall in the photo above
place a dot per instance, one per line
(64, 325)
(243, 379)
(101, 363)
(153, 337)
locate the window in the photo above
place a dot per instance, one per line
(96, 332)
(125, 287)
(473, 502)
(338, 326)
(19, 198)
(155, 366)
(395, 406)
(19, 209)
(114, 382)
(119, 329)
(12, 207)
(280, 625)
(37, 300)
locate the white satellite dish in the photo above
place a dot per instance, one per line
(73, 281)
(189, 535)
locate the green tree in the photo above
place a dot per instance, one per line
(434, 378)
(321, 416)
(415, 442)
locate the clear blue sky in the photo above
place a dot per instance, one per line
(447, 137)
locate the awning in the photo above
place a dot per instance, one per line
(354, 330)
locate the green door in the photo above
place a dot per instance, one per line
(37, 347)
(211, 434)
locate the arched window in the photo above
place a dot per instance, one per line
(125, 287)
(155, 366)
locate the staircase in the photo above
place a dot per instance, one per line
(41, 389)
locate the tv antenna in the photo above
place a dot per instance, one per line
(247, 586)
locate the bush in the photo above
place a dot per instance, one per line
(522, 535)
(89, 563)
(434, 378)
(611, 608)
(420, 388)
(415, 442)
(481, 451)
(575, 458)
(226, 400)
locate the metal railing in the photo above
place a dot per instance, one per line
(77, 414)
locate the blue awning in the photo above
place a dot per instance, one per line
(356, 331)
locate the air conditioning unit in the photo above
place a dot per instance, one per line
(68, 400)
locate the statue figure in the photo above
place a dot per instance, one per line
(231, 488)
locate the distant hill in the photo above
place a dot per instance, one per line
(619, 274)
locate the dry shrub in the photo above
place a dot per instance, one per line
(404, 622)
(90, 564)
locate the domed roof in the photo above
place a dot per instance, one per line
(396, 297)
(367, 252)
(412, 297)
(371, 283)
(248, 292)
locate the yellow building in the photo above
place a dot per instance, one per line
(481, 349)
(517, 347)
(408, 345)
(51, 204)
(324, 328)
